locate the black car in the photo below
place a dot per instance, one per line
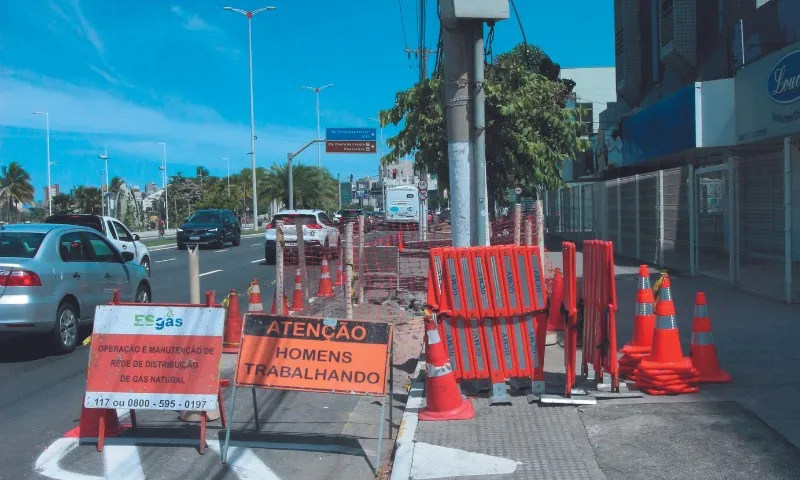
(210, 227)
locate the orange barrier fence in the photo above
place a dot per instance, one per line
(600, 306)
(491, 307)
(569, 309)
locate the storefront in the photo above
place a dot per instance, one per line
(768, 172)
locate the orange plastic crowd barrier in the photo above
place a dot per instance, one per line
(569, 308)
(491, 308)
(600, 307)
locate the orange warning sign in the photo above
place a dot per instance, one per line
(314, 354)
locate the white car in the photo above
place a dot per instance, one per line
(320, 235)
(113, 230)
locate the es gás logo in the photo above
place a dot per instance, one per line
(783, 84)
(159, 323)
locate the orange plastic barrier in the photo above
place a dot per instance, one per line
(569, 308)
(491, 310)
(600, 304)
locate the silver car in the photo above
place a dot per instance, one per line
(53, 276)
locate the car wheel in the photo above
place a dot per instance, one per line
(143, 294)
(146, 265)
(220, 242)
(65, 331)
(269, 255)
(237, 240)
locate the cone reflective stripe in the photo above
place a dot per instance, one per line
(254, 302)
(325, 283)
(233, 325)
(443, 399)
(297, 297)
(702, 349)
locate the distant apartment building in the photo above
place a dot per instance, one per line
(697, 160)
(150, 188)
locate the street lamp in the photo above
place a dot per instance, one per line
(316, 90)
(229, 174)
(164, 183)
(380, 159)
(104, 156)
(47, 134)
(249, 15)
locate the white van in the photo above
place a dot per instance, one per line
(402, 205)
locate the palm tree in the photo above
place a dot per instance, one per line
(16, 183)
(115, 183)
(314, 187)
(87, 199)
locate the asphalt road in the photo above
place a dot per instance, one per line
(41, 397)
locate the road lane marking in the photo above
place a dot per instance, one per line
(167, 260)
(244, 462)
(258, 261)
(223, 250)
(47, 463)
(209, 273)
(256, 245)
(123, 462)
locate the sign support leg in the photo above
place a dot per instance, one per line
(203, 419)
(255, 409)
(391, 385)
(101, 432)
(228, 429)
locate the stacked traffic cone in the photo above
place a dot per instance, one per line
(643, 324)
(89, 426)
(339, 275)
(325, 283)
(702, 349)
(555, 319)
(443, 399)
(666, 371)
(297, 298)
(233, 325)
(254, 302)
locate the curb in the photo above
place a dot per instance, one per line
(404, 444)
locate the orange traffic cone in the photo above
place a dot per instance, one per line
(297, 298)
(274, 310)
(443, 399)
(325, 283)
(233, 325)
(702, 349)
(555, 320)
(339, 275)
(643, 324)
(254, 302)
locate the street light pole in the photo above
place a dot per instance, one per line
(104, 157)
(316, 90)
(229, 174)
(249, 15)
(380, 158)
(47, 142)
(164, 181)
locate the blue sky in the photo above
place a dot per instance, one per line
(128, 74)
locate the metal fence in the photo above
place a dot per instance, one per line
(726, 221)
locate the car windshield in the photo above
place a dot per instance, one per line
(205, 217)
(351, 213)
(291, 219)
(20, 244)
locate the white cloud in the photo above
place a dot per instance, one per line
(192, 132)
(107, 76)
(192, 21)
(87, 30)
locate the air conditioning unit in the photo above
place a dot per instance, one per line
(489, 10)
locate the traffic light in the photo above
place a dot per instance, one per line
(394, 174)
(351, 178)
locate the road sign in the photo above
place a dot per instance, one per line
(422, 185)
(155, 358)
(518, 190)
(353, 134)
(350, 146)
(314, 354)
(423, 194)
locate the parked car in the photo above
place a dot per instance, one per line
(52, 276)
(210, 227)
(320, 235)
(113, 229)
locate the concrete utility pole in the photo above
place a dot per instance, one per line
(456, 39)
(480, 207)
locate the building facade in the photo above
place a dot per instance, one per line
(699, 162)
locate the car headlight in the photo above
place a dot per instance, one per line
(180, 229)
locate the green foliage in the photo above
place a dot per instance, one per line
(16, 187)
(529, 132)
(314, 187)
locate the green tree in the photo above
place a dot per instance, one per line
(115, 183)
(529, 131)
(62, 203)
(314, 187)
(87, 199)
(16, 186)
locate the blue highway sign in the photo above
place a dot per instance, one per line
(352, 134)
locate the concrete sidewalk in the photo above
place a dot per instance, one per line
(749, 428)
